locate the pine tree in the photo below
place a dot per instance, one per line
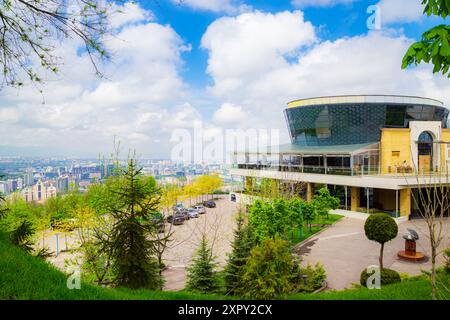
(242, 245)
(202, 276)
(133, 200)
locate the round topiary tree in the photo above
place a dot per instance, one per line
(380, 227)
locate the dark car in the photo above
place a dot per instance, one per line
(176, 219)
(183, 212)
(209, 204)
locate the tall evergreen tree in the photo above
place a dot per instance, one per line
(134, 200)
(202, 276)
(242, 245)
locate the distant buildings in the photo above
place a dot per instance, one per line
(62, 184)
(40, 192)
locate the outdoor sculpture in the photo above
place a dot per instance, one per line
(410, 252)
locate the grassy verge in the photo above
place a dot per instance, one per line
(296, 236)
(413, 289)
(26, 277)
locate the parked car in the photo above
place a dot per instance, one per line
(176, 219)
(209, 204)
(182, 212)
(200, 209)
(192, 213)
(178, 207)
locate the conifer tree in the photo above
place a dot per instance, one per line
(134, 199)
(202, 276)
(242, 245)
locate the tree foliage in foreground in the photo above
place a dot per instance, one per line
(268, 271)
(241, 247)
(202, 276)
(130, 243)
(434, 46)
(31, 30)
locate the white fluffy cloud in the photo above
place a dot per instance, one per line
(138, 102)
(227, 6)
(229, 113)
(248, 46)
(252, 71)
(397, 11)
(319, 3)
(128, 13)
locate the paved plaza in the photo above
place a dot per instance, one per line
(345, 251)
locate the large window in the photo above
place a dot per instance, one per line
(395, 116)
(343, 124)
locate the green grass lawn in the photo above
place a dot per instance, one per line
(413, 289)
(23, 276)
(295, 236)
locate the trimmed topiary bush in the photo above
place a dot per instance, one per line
(380, 227)
(388, 276)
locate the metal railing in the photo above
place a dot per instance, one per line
(343, 171)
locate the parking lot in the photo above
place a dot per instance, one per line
(217, 224)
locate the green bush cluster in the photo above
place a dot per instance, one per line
(388, 276)
(447, 258)
(277, 217)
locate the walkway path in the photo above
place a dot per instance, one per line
(345, 251)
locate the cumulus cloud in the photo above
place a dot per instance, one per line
(138, 101)
(229, 114)
(245, 47)
(226, 6)
(128, 13)
(319, 3)
(400, 11)
(260, 79)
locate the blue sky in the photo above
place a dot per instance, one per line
(335, 21)
(221, 64)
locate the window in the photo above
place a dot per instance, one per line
(425, 143)
(395, 116)
(396, 153)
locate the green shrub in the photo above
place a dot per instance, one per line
(307, 279)
(388, 276)
(447, 258)
(380, 227)
(268, 271)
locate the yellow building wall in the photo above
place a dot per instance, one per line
(386, 198)
(405, 202)
(309, 191)
(445, 138)
(395, 148)
(355, 194)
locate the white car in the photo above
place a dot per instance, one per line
(200, 209)
(192, 213)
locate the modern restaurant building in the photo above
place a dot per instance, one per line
(372, 151)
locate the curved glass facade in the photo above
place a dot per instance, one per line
(343, 124)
